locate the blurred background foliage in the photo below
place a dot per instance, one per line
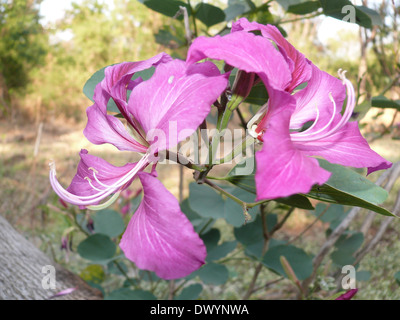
(45, 62)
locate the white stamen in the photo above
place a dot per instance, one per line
(306, 136)
(97, 180)
(90, 182)
(100, 195)
(170, 79)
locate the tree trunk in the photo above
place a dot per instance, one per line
(25, 272)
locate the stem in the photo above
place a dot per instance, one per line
(259, 266)
(237, 150)
(124, 273)
(242, 120)
(193, 18)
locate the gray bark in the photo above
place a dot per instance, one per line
(24, 271)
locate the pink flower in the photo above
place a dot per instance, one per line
(286, 163)
(159, 237)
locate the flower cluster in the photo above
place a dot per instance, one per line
(159, 237)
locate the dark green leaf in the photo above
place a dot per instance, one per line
(108, 222)
(213, 273)
(300, 261)
(128, 294)
(191, 292)
(258, 95)
(247, 183)
(166, 7)
(97, 247)
(383, 102)
(304, 7)
(347, 187)
(211, 239)
(209, 14)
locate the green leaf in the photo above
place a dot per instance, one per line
(211, 239)
(209, 14)
(221, 251)
(397, 277)
(364, 17)
(98, 76)
(199, 223)
(191, 292)
(383, 102)
(248, 183)
(258, 95)
(342, 258)
(97, 247)
(205, 201)
(128, 294)
(375, 17)
(350, 244)
(347, 187)
(166, 7)
(113, 269)
(304, 7)
(90, 85)
(287, 3)
(300, 261)
(330, 212)
(213, 273)
(234, 11)
(363, 275)
(108, 222)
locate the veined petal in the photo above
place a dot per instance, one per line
(159, 237)
(300, 66)
(318, 94)
(346, 147)
(282, 170)
(117, 77)
(246, 52)
(176, 100)
(102, 128)
(96, 179)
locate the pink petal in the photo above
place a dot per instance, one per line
(316, 95)
(346, 147)
(348, 295)
(282, 170)
(300, 66)
(246, 52)
(159, 237)
(176, 100)
(102, 128)
(105, 172)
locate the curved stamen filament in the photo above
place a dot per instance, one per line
(97, 180)
(101, 194)
(306, 136)
(90, 182)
